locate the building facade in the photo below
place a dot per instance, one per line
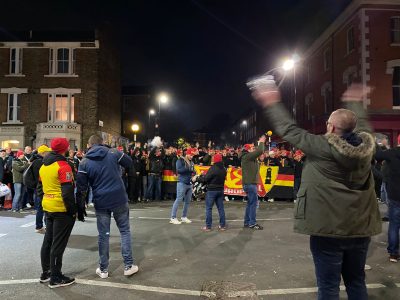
(361, 45)
(58, 84)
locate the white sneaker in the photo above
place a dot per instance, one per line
(226, 198)
(91, 204)
(271, 200)
(174, 221)
(102, 274)
(367, 267)
(128, 271)
(185, 220)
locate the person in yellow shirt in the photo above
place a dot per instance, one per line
(60, 209)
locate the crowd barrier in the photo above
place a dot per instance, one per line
(273, 182)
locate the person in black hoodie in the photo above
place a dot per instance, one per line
(215, 179)
(156, 167)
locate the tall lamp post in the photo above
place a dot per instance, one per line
(151, 113)
(162, 98)
(290, 64)
(135, 129)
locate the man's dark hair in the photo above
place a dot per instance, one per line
(95, 140)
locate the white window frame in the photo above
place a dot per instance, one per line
(15, 107)
(394, 30)
(395, 86)
(350, 71)
(327, 86)
(17, 95)
(53, 61)
(349, 50)
(390, 65)
(308, 100)
(18, 61)
(60, 91)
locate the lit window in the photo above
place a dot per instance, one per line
(16, 61)
(62, 61)
(395, 30)
(61, 108)
(13, 108)
(396, 86)
(350, 40)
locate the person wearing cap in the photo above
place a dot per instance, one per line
(19, 165)
(101, 170)
(215, 180)
(336, 203)
(42, 152)
(185, 171)
(57, 192)
(391, 158)
(250, 179)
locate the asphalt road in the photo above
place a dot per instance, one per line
(180, 261)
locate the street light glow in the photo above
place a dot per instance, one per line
(135, 128)
(288, 64)
(152, 112)
(244, 122)
(163, 98)
(233, 132)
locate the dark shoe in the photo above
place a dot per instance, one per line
(394, 258)
(60, 281)
(256, 227)
(45, 277)
(385, 219)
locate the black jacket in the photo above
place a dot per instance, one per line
(215, 177)
(392, 163)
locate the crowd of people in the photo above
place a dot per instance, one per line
(338, 178)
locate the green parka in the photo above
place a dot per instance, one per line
(336, 196)
(250, 166)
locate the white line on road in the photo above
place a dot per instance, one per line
(28, 224)
(231, 294)
(2, 234)
(197, 220)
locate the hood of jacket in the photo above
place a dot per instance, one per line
(52, 157)
(97, 152)
(351, 149)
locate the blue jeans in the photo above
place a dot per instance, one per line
(39, 212)
(154, 187)
(385, 199)
(18, 196)
(251, 207)
(121, 217)
(216, 197)
(394, 227)
(334, 257)
(183, 193)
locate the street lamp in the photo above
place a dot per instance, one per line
(162, 98)
(290, 64)
(135, 129)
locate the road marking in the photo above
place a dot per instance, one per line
(231, 294)
(198, 220)
(2, 234)
(28, 224)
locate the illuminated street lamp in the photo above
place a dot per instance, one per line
(290, 64)
(162, 98)
(135, 129)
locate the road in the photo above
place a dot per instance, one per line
(180, 261)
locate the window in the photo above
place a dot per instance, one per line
(16, 61)
(327, 98)
(350, 40)
(62, 61)
(395, 30)
(308, 101)
(396, 86)
(327, 60)
(61, 108)
(13, 108)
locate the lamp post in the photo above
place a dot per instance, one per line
(244, 125)
(290, 64)
(135, 129)
(151, 113)
(162, 98)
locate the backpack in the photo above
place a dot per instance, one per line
(28, 178)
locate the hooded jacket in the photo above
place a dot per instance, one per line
(56, 185)
(184, 170)
(100, 169)
(18, 168)
(215, 177)
(336, 196)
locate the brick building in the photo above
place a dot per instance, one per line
(363, 45)
(64, 84)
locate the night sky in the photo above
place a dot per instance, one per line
(200, 51)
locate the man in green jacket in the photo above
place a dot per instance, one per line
(250, 175)
(336, 203)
